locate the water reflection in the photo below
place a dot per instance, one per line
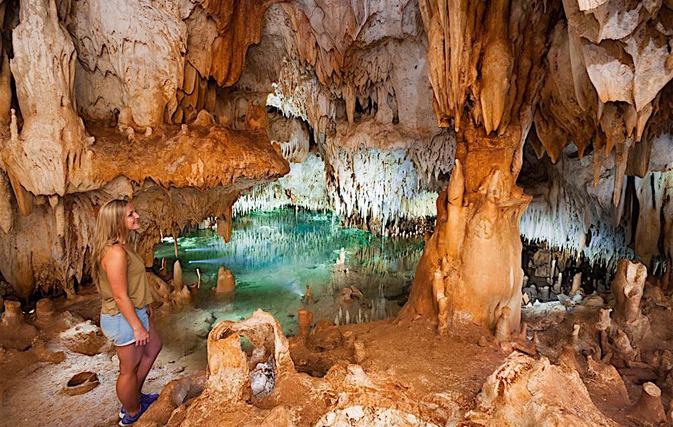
(275, 255)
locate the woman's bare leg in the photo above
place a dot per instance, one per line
(150, 352)
(127, 383)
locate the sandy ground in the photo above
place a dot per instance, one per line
(31, 391)
(428, 366)
(32, 395)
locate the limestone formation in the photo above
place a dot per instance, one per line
(627, 288)
(577, 282)
(649, 407)
(226, 283)
(478, 215)
(585, 82)
(227, 363)
(523, 390)
(15, 333)
(486, 122)
(305, 321)
(470, 228)
(12, 316)
(224, 225)
(308, 296)
(44, 310)
(173, 397)
(178, 282)
(502, 326)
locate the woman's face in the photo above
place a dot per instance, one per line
(131, 218)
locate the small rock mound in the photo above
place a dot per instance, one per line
(524, 392)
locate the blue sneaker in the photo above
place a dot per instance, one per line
(127, 420)
(144, 398)
(149, 398)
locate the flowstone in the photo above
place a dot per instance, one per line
(524, 391)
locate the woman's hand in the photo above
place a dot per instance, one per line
(141, 336)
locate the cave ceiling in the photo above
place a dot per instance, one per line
(103, 99)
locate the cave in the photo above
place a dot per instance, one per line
(352, 212)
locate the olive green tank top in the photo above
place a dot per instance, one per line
(136, 281)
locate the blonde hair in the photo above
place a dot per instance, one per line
(110, 230)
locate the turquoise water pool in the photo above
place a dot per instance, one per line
(274, 255)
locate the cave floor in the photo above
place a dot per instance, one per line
(453, 369)
(446, 370)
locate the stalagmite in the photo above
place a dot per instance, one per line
(604, 326)
(181, 298)
(14, 331)
(628, 287)
(342, 257)
(228, 371)
(649, 407)
(623, 349)
(308, 296)
(359, 351)
(575, 335)
(12, 316)
(521, 343)
(466, 233)
(159, 285)
(178, 283)
(226, 283)
(44, 310)
(559, 282)
(525, 390)
(502, 328)
(305, 321)
(227, 365)
(577, 282)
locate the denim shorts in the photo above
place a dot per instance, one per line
(117, 329)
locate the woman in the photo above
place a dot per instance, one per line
(126, 314)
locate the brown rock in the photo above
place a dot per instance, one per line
(305, 320)
(226, 283)
(525, 391)
(359, 351)
(279, 416)
(81, 383)
(228, 364)
(13, 315)
(325, 335)
(649, 407)
(44, 310)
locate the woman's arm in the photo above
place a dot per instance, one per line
(114, 264)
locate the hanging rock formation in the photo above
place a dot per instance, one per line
(350, 89)
(355, 75)
(502, 69)
(59, 175)
(477, 232)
